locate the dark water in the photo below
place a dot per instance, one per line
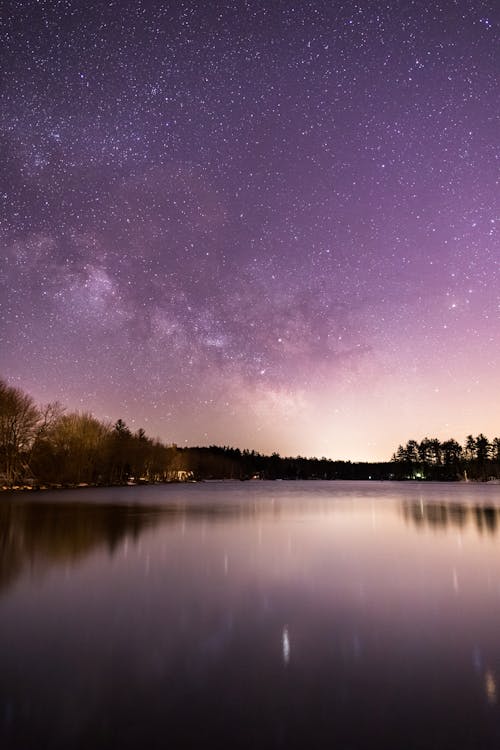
(251, 615)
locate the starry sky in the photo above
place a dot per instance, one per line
(266, 224)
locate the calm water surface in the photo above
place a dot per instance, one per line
(251, 615)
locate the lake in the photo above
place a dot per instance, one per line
(251, 615)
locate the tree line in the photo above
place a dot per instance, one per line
(478, 458)
(49, 446)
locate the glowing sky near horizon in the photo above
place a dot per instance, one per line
(266, 224)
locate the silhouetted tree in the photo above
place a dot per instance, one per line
(470, 448)
(19, 422)
(424, 451)
(435, 451)
(495, 448)
(451, 451)
(483, 448)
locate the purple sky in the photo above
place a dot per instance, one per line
(266, 224)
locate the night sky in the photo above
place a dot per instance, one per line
(266, 224)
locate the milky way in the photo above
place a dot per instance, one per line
(265, 224)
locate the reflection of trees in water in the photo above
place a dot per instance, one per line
(35, 533)
(444, 515)
(38, 534)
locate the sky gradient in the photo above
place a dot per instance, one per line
(264, 224)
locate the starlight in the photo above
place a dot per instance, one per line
(189, 192)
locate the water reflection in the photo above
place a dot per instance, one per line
(36, 535)
(285, 641)
(490, 686)
(281, 616)
(444, 515)
(39, 533)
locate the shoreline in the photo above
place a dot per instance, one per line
(24, 489)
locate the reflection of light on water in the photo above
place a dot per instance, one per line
(490, 687)
(226, 564)
(286, 645)
(455, 581)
